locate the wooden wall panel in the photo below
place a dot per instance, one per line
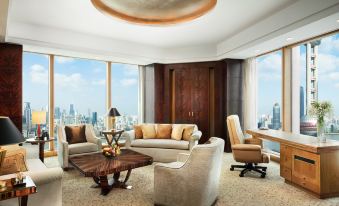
(11, 82)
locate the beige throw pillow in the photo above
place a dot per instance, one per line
(164, 131)
(177, 131)
(188, 131)
(13, 162)
(138, 131)
(148, 131)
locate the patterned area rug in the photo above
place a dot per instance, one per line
(248, 190)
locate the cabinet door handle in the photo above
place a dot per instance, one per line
(192, 114)
(189, 114)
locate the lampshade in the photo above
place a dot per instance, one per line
(9, 134)
(113, 112)
(38, 117)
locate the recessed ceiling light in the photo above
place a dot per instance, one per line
(289, 39)
(337, 20)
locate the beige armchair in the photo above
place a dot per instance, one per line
(66, 150)
(193, 179)
(247, 151)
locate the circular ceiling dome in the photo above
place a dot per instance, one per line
(155, 12)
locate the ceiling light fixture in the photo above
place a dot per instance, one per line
(337, 20)
(289, 39)
(155, 12)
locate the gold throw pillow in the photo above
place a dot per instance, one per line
(177, 131)
(188, 131)
(148, 131)
(138, 132)
(13, 162)
(164, 131)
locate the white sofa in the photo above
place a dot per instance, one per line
(193, 179)
(66, 150)
(162, 150)
(47, 180)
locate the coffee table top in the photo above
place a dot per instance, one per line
(96, 164)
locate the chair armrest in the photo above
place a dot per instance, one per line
(246, 147)
(172, 165)
(46, 176)
(253, 141)
(63, 154)
(129, 136)
(194, 139)
(182, 157)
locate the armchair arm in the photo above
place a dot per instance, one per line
(172, 165)
(91, 137)
(182, 157)
(253, 141)
(46, 176)
(129, 136)
(194, 139)
(63, 154)
(246, 147)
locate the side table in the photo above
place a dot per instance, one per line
(41, 143)
(20, 192)
(116, 134)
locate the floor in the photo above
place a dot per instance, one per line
(249, 190)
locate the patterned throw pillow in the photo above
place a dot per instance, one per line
(13, 162)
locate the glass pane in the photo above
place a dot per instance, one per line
(35, 91)
(319, 81)
(80, 92)
(125, 78)
(269, 69)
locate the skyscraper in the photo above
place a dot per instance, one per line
(94, 118)
(57, 113)
(276, 117)
(28, 116)
(302, 102)
(71, 110)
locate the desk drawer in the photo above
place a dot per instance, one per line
(286, 173)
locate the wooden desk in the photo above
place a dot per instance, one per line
(306, 163)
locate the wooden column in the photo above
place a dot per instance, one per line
(108, 92)
(51, 100)
(287, 90)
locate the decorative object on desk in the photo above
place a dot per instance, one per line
(321, 110)
(38, 118)
(9, 134)
(108, 152)
(113, 113)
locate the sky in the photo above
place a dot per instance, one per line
(80, 82)
(269, 75)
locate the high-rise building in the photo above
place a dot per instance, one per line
(71, 110)
(302, 102)
(57, 113)
(28, 116)
(276, 117)
(94, 118)
(311, 72)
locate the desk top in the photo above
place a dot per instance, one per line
(304, 142)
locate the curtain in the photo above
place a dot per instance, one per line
(250, 84)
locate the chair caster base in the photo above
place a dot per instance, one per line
(250, 167)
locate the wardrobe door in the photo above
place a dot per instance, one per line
(200, 100)
(182, 100)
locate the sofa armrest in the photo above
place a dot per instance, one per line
(129, 136)
(182, 157)
(63, 154)
(253, 141)
(194, 139)
(46, 176)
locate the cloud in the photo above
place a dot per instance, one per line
(100, 82)
(327, 62)
(38, 74)
(270, 67)
(334, 75)
(337, 85)
(128, 82)
(98, 70)
(73, 81)
(329, 44)
(130, 70)
(63, 60)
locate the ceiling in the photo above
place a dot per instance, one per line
(233, 29)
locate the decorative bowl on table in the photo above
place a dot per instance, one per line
(108, 152)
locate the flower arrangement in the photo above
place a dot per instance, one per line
(320, 110)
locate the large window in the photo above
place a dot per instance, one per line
(125, 94)
(269, 69)
(319, 81)
(79, 92)
(35, 90)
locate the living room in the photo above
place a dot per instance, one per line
(195, 102)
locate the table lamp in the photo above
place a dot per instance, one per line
(38, 118)
(113, 112)
(9, 134)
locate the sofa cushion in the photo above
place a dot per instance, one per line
(75, 134)
(138, 131)
(177, 131)
(14, 161)
(164, 131)
(84, 147)
(188, 131)
(161, 143)
(148, 131)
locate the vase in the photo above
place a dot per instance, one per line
(321, 133)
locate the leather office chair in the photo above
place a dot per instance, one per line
(247, 150)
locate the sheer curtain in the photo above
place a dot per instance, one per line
(250, 84)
